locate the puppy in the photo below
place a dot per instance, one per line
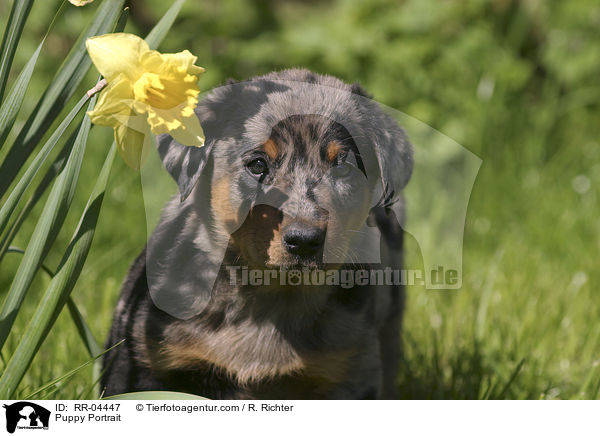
(300, 178)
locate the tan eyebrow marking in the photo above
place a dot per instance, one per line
(270, 148)
(333, 149)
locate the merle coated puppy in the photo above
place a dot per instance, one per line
(300, 174)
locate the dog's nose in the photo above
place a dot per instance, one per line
(303, 240)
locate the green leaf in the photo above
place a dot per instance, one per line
(12, 34)
(60, 287)
(84, 331)
(57, 166)
(86, 335)
(155, 395)
(58, 93)
(158, 32)
(10, 107)
(15, 196)
(46, 229)
(21, 251)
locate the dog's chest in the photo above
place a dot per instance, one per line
(248, 353)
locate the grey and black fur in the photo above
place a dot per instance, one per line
(333, 163)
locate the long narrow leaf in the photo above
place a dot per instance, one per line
(15, 196)
(84, 331)
(158, 32)
(86, 335)
(60, 287)
(12, 34)
(21, 251)
(57, 166)
(46, 230)
(10, 107)
(58, 93)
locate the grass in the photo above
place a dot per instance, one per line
(525, 323)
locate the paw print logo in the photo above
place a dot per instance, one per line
(294, 277)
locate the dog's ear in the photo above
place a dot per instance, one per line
(395, 159)
(384, 145)
(355, 88)
(183, 163)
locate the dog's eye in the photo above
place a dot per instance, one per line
(258, 166)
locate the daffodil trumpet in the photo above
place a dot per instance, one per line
(146, 93)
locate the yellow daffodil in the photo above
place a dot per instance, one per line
(147, 92)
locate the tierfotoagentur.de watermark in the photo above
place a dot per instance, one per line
(345, 278)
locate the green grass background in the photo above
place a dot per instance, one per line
(515, 82)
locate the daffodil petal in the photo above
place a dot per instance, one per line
(185, 60)
(116, 53)
(115, 99)
(132, 145)
(133, 120)
(151, 61)
(190, 133)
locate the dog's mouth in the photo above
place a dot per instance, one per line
(257, 254)
(299, 263)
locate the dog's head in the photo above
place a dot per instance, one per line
(291, 197)
(292, 167)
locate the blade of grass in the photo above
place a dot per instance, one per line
(10, 107)
(593, 375)
(511, 379)
(69, 374)
(46, 229)
(12, 34)
(596, 391)
(96, 381)
(58, 93)
(84, 331)
(86, 335)
(60, 287)
(158, 32)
